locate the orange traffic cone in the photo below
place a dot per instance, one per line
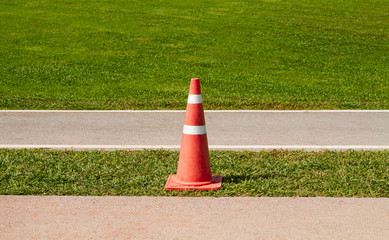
(194, 170)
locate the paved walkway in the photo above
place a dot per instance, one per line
(37, 217)
(252, 130)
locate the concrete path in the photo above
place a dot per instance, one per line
(37, 217)
(251, 130)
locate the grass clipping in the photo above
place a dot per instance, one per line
(144, 173)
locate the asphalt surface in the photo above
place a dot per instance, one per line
(240, 130)
(53, 217)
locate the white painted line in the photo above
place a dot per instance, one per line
(89, 147)
(194, 130)
(212, 147)
(195, 98)
(91, 111)
(211, 111)
(301, 147)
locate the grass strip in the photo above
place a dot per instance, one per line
(120, 54)
(144, 173)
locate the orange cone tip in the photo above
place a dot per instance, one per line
(194, 169)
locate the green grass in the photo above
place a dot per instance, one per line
(120, 54)
(144, 173)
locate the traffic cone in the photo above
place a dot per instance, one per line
(194, 170)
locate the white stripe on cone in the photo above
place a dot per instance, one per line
(195, 98)
(194, 130)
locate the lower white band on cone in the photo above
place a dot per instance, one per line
(194, 130)
(195, 98)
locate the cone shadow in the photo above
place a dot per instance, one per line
(241, 178)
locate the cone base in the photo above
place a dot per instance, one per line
(171, 184)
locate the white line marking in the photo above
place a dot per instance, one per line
(212, 147)
(132, 147)
(92, 111)
(194, 130)
(195, 98)
(211, 111)
(302, 147)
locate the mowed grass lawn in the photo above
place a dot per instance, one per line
(144, 173)
(120, 54)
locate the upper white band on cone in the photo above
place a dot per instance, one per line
(194, 130)
(195, 98)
